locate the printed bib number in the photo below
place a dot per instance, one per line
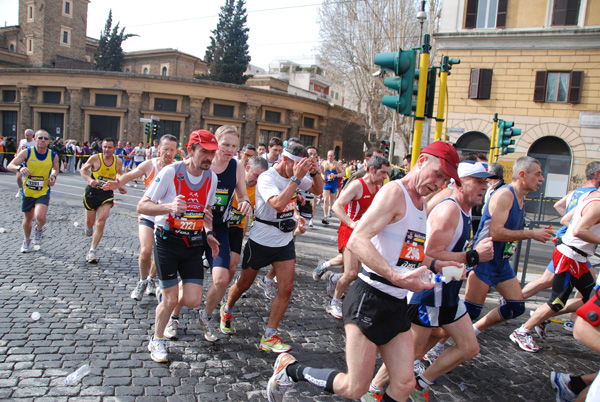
(221, 198)
(35, 183)
(413, 250)
(236, 217)
(509, 250)
(288, 211)
(190, 224)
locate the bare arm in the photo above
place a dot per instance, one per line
(142, 169)
(280, 201)
(241, 193)
(561, 205)
(590, 216)
(353, 192)
(148, 207)
(54, 172)
(318, 183)
(13, 166)
(87, 166)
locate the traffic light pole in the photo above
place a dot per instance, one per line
(420, 112)
(496, 134)
(494, 141)
(439, 120)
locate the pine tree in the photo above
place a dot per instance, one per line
(109, 54)
(227, 55)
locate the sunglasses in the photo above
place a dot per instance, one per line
(43, 138)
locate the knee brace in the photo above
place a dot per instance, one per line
(512, 309)
(473, 309)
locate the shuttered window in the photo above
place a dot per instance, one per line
(486, 14)
(558, 86)
(565, 12)
(481, 83)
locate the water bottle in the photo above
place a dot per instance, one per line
(430, 277)
(77, 375)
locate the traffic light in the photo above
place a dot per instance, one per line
(386, 148)
(154, 128)
(429, 92)
(147, 130)
(505, 134)
(402, 64)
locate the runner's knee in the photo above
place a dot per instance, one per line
(473, 309)
(512, 309)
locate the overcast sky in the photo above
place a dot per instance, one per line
(278, 29)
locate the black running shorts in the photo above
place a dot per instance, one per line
(257, 256)
(236, 237)
(93, 198)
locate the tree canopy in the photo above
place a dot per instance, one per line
(109, 54)
(227, 55)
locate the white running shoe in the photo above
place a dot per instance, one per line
(91, 257)
(335, 309)
(330, 289)
(269, 289)
(525, 341)
(433, 353)
(151, 288)
(158, 350)
(560, 384)
(25, 245)
(138, 292)
(208, 324)
(171, 329)
(280, 381)
(89, 231)
(419, 368)
(37, 236)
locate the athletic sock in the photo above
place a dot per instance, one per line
(174, 317)
(327, 264)
(227, 309)
(387, 398)
(375, 389)
(523, 331)
(206, 316)
(267, 281)
(334, 301)
(269, 332)
(577, 384)
(477, 331)
(423, 383)
(335, 278)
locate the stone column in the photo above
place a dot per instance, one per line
(325, 141)
(135, 130)
(295, 124)
(75, 122)
(195, 120)
(26, 118)
(249, 135)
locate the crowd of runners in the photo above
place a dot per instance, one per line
(407, 240)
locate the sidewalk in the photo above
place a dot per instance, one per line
(87, 316)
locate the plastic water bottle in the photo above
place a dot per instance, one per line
(430, 277)
(77, 375)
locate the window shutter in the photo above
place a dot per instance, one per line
(485, 83)
(502, 10)
(539, 93)
(575, 86)
(471, 20)
(474, 85)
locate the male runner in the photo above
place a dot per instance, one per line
(389, 240)
(25, 143)
(502, 220)
(271, 240)
(332, 170)
(349, 208)
(97, 201)
(150, 168)
(178, 198)
(572, 269)
(449, 237)
(39, 165)
(261, 149)
(248, 151)
(274, 154)
(139, 154)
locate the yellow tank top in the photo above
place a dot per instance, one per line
(105, 173)
(36, 184)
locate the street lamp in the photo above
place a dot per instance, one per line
(421, 16)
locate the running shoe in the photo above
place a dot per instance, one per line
(91, 257)
(325, 221)
(371, 397)
(171, 329)
(335, 309)
(89, 231)
(274, 344)
(270, 290)
(158, 350)
(560, 384)
(419, 396)
(434, 353)
(319, 271)
(18, 195)
(226, 322)
(525, 341)
(138, 292)
(280, 381)
(419, 368)
(151, 288)
(310, 223)
(208, 324)
(25, 245)
(37, 236)
(540, 330)
(568, 325)
(330, 289)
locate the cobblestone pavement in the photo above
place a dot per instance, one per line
(87, 316)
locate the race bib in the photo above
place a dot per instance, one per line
(413, 250)
(509, 249)
(35, 183)
(236, 217)
(288, 211)
(188, 224)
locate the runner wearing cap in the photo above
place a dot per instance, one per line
(178, 198)
(502, 220)
(389, 240)
(449, 237)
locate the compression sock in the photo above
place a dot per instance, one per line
(577, 384)
(387, 398)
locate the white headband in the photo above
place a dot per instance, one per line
(292, 157)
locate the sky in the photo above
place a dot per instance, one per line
(278, 29)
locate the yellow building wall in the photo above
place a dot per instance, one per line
(526, 14)
(592, 16)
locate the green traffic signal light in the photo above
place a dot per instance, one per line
(147, 130)
(402, 64)
(429, 91)
(505, 134)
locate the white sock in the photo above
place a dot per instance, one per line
(375, 389)
(523, 331)
(267, 281)
(334, 300)
(335, 278)
(269, 332)
(326, 264)
(477, 332)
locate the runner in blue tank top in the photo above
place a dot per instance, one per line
(502, 220)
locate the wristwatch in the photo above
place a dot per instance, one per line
(210, 232)
(295, 180)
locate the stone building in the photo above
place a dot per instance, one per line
(533, 62)
(47, 81)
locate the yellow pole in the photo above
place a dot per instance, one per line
(439, 121)
(493, 140)
(446, 125)
(420, 113)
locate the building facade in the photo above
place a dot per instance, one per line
(533, 62)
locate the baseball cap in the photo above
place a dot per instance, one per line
(448, 157)
(205, 138)
(467, 169)
(295, 139)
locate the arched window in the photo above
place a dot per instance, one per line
(164, 71)
(145, 70)
(473, 141)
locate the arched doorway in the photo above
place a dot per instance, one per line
(555, 158)
(473, 141)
